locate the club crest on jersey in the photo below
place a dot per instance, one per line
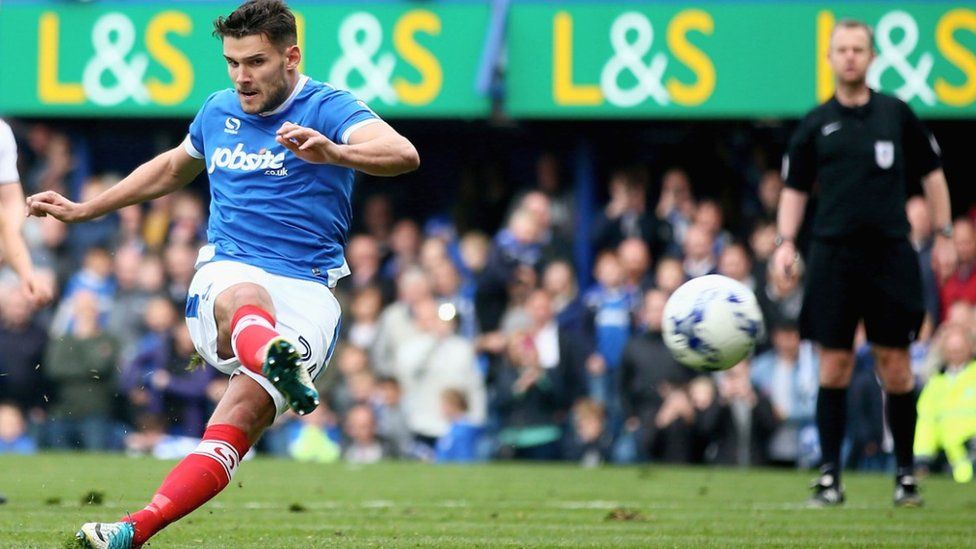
(884, 154)
(231, 125)
(238, 159)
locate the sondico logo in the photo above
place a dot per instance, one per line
(231, 125)
(239, 160)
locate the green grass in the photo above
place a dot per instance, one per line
(277, 503)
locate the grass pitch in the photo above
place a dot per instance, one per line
(278, 503)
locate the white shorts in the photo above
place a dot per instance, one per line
(306, 314)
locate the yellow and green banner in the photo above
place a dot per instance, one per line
(160, 58)
(572, 59)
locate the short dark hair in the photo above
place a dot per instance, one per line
(851, 23)
(271, 18)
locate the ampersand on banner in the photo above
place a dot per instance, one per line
(110, 56)
(895, 56)
(357, 56)
(628, 56)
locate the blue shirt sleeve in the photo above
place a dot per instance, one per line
(341, 114)
(194, 144)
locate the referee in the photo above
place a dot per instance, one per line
(862, 148)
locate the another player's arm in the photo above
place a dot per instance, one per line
(11, 222)
(162, 175)
(375, 149)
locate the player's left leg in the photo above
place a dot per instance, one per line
(892, 320)
(243, 413)
(894, 369)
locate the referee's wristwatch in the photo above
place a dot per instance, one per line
(945, 231)
(780, 240)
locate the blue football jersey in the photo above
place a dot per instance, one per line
(269, 208)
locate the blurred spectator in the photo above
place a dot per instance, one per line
(669, 275)
(350, 360)
(364, 259)
(404, 249)
(179, 260)
(315, 438)
(515, 254)
(391, 423)
(734, 263)
(151, 438)
(626, 215)
(611, 304)
(396, 324)
(789, 375)
(529, 399)
(553, 245)
(130, 229)
(158, 380)
(13, 432)
(961, 284)
(23, 342)
(676, 206)
(589, 443)
(362, 445)
(562, 206)
(947, 407)
(447, 285)
(53, 162)
(94, 277)
(460, 443)
(156, 225)
(647, 372)
(377, 217)
(699, 252)
(742, 423)
(672, 430)
(635, 260)
(125, 316)
(98, 232)
(433, 360)
(473, 248)
(187, 220)
(364, 313)
(917, 211)
(82, 362)
(781, 299)
(769, 189)
(709, 216)
(869, 442)
(762, 243)
(559, 282)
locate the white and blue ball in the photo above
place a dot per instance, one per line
(711, 323)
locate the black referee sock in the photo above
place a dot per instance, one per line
(902, 416)
(831, 421)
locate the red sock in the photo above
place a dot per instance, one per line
(251, 329)
(199, 477)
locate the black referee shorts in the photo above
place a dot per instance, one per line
(876, 280)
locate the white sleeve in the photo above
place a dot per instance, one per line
(8, 155)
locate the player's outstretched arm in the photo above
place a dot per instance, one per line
(161, 175)
(375, 149)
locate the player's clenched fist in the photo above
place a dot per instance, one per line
(308, 144)
(55, 205)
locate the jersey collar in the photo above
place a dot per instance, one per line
(302, 79)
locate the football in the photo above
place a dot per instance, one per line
(711, 323)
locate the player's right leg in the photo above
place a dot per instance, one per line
(243, 413)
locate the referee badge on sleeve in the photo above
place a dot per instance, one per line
(884, 154)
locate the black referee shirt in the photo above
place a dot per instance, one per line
(861, 158)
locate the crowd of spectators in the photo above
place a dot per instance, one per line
(461, 347)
